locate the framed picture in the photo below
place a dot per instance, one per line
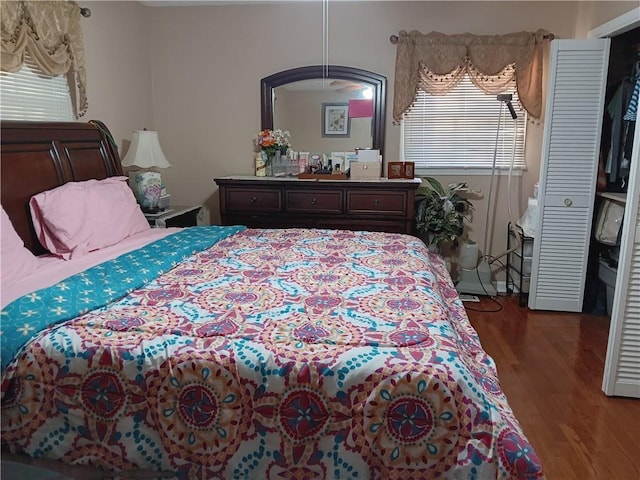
(335, 120)
(409, 169)
(395, 169)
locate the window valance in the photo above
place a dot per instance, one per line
(50, 32)
(436, 62)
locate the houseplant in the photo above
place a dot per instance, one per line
(440, 213)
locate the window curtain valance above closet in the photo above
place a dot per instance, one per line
(436, 63)
(50, 32)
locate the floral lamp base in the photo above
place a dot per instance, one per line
(148, 186)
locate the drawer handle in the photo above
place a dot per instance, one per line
(253, 200)
(314, 200)
(568, 202)
(376, 203)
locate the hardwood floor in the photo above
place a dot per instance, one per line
(550, 366)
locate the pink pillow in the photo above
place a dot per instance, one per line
(80, 217)
(16, 261)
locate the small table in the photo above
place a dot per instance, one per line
(179, 216)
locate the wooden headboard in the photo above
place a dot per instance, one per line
(37, 156)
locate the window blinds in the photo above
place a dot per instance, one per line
(32, 95)
(458, 130)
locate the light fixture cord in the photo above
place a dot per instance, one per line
(325, 40)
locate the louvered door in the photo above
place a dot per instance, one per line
(571, 142)
(622, 366)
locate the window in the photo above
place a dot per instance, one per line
(443, 134)
(32, 95)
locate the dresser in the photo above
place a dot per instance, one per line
(265, 202)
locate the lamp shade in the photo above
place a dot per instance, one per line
(145, 151)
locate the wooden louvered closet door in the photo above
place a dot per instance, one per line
(622, 366)
(570, 150)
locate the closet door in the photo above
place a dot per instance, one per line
(571, 143)
(622, 366)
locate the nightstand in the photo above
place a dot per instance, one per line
(174, 217)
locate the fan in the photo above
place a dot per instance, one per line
(345, 86)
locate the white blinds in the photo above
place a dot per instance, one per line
(33, 95)
(458, 130)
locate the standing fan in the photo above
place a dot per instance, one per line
(475, 276)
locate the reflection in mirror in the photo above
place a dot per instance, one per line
(304, 108)
(301, 99)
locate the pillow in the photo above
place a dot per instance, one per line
(16, 261)
(80, 217)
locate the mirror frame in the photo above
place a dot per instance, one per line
(377, 82)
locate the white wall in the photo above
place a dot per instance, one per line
(119, 79)
(193, 73)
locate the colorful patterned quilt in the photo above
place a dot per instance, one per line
(276, 354)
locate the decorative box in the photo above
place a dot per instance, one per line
(365, 170)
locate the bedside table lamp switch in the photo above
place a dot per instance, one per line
(145, 152)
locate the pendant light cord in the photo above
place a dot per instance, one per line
(325, 40)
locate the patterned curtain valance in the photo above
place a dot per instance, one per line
(436, 63)
(50, 32)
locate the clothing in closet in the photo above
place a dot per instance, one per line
(632, 110)
(622, 130)
(618, 156)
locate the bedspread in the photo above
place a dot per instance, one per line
(280, 354)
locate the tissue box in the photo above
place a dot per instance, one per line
(365, 170)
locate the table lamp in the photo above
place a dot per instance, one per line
(145, 152)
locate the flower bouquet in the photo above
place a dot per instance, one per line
(270, 143)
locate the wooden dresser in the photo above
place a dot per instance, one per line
(265, 202)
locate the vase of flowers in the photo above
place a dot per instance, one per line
(440, 213)
(272, 143)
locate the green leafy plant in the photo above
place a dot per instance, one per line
(440, 212)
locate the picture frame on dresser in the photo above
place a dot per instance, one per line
(409, 170)
(395, 170)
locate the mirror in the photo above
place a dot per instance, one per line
(326, 108)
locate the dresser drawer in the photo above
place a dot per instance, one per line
(376, 201)
(253, 200)
(324, 201)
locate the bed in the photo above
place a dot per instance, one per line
(227, 352)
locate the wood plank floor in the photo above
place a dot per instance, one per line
(550, 366)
